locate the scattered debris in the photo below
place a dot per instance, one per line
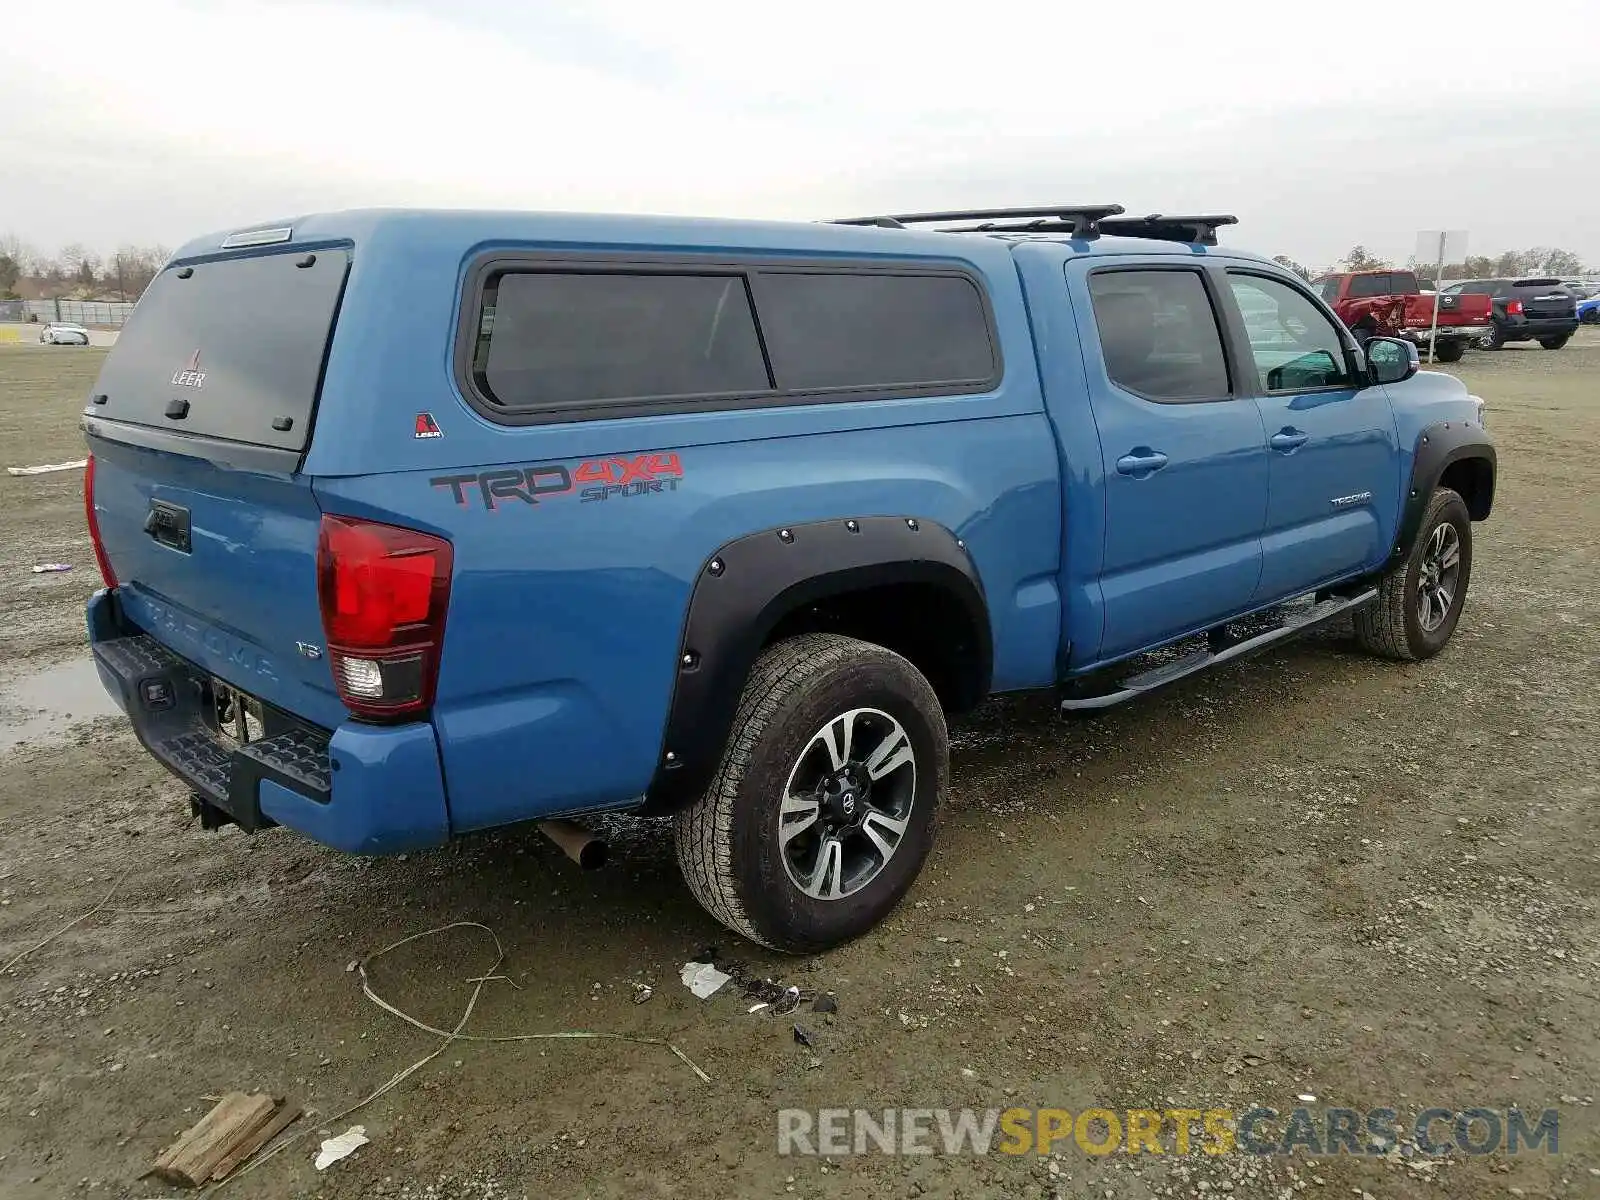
(642, 992)
(825, 1003)
(785, 999)
(803, 1037)
(48, 467)
(343, 1146)
(51, 568)
(702, 978)
(237, 1127)
(755, 1008)
(1306, 1098)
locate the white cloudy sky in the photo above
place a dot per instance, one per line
(1321, 125)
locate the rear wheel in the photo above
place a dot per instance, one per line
(1555, 343)
(1449, 351)
(823, 809)
(1420, 600)
(1493, 339)
(1592, 317)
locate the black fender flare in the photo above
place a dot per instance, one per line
(1439, 445)
(748, 586)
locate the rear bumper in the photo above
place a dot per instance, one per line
(1420, 335)
(367, 789)
(1522, 328)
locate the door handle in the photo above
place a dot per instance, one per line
(1288, 439)
(1141, 461)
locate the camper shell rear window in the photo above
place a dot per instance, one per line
(231, 349)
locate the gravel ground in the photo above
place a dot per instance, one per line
(1308, 874)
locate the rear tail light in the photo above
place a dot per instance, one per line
(384, 592)
(93, 520)
(1514, 308)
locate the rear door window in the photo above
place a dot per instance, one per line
(1370, 285)
(236, 346)
(1159, 334)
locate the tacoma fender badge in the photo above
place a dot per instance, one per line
(427, 427)
(1352, 500)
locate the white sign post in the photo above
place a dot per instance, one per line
(1445, 245)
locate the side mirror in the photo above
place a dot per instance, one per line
(1390, 360)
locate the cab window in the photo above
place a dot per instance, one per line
(1295, 346)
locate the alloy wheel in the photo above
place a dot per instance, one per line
(847, 803)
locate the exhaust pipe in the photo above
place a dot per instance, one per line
(583, 846)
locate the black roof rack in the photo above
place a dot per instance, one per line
(1199, 228)
(1081, 220)
(1076, 220)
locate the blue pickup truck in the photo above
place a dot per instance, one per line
(419, 523)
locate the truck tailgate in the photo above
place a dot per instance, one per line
(243, 596)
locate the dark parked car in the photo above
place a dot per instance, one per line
(1540, 310)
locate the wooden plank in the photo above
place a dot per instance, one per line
(286, 1115)
(219, 1112)
(234, 1119)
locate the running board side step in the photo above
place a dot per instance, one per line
(1220, 651)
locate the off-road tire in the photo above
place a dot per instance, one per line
(1391, 626)
(727, 840)
(1555, 343)
(1450, 351)
(1495, 339)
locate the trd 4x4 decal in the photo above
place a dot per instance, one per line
(598, 479)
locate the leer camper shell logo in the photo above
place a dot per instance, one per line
(191, 375)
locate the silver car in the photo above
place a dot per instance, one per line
(64, 335)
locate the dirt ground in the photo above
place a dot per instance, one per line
(1312, 873)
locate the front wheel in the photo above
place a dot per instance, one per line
(1420, 600)
(823, 809)
(1555, 343)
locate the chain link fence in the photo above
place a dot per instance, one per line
(108, 313)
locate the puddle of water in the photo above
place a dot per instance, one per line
(48, 703)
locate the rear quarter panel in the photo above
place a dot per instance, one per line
(560, 650)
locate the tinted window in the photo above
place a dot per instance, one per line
(1404, 283)
(1370, 285)
(1330, 289)
(555, 340)
(1159, 335)
(873, 330)
(242, 340)
(1294, 345)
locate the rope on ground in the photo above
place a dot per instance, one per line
(451, 1035)
(75, 921)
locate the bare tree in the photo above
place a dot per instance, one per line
(1360, 259)
(1283, 260)
(131, 269)
(19, 252)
